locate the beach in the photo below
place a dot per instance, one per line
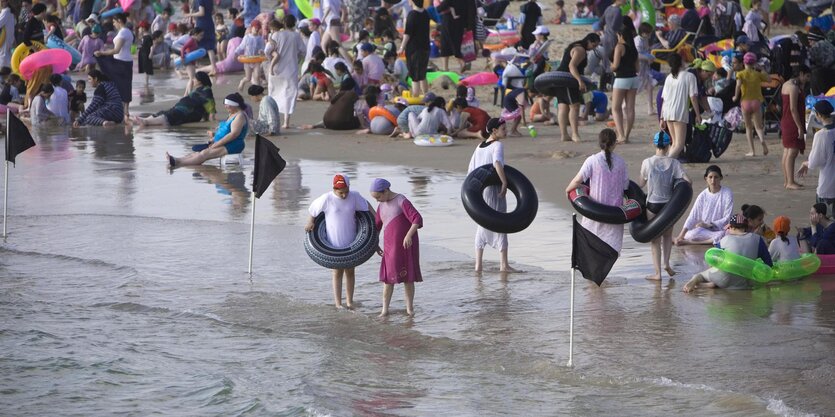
(123, 288)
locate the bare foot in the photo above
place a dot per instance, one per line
(654, 277)
(508, 268)
(515, 133)
(395, 132)
(750, 154)
(691, 285)
(384, 313)
(108, 124)
(670, 271)
(410, 313)
(575, 139)
(794, 186)
(349, 306)
(765, 148)
(285, 126)
(621, 142)
(339, 306)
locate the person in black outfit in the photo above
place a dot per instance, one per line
(415, 45)
(532, 18)
(35, 27)
(453, 25)
(569, 99)
(625, 88)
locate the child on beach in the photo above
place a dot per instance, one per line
(582, 12)
(471, 120)
(784, 247)
(658, 174)
(145, 54)
(340, 207)
(541, 110)
(59, 102)
(191, 45)
(749, 90)
(513, 110)
(491, 152)
(756, 222)
(737, 240)
(559, 13)
(38, 112)
(598, 104)
(252, 44)
(89, 44)
(222, 35)
(78, 98)
(642, 44)
(399, 221)
(269, 121)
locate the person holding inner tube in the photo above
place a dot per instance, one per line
(569, 99)
(491, 152)
(738, 241)
(659, 173)
(340, 207)
(608, 177)
(399, 221)
(711, 212)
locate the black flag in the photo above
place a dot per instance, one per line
(18, 139)
(591, 255)
(268, 164)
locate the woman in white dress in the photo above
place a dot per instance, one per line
(710, 213)
(286, 49)
(679, 88)
(491, 152)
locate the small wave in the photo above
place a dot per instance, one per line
(779, 407)
(667, 382)
(93, 262)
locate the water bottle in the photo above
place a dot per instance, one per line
(532, 131)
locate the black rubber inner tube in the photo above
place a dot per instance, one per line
(643, 230)
(603, 213)
(472, 195)
(549, 82)
(363, 247)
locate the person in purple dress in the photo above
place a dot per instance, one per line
(399, 221)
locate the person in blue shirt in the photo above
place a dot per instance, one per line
(821, 236)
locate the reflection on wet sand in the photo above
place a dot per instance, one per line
(231, 183)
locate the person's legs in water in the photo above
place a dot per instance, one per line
(196, 158)
(479, 255)
(698, 280)
(337, 287)
(349, 287)
(409, 288)
(667, 247)
(388, 289)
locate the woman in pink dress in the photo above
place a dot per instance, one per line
(399, 220)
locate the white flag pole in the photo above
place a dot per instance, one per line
(251, 232)
(6, 174)
(571, 324)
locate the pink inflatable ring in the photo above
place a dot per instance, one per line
(58, 58)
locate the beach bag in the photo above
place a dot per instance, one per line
(699, 147)
(733, 118)
(468, 47)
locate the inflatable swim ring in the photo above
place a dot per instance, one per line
(381, 126)
(732, 263)
(774, 6)
(125, 4)
(112, 12)
(806, 265)
(472, 195)
(433, 140)
(363, 247)
(412, 100)
(584, 20)
(482, 78)
(627, 212)
(53, 42)
(21, 52)
(827, 266)
(431, 76)
(251, 59)
(304, 7)
(645, 9)
(190, 57)
(643, 230)
(382, 112)
(58, 58)
(550, 82)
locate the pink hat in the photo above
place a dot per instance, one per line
(749, 58)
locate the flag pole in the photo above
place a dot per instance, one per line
(251, 232)
(6, 173)
(571, 304)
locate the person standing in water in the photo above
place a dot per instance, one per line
(491, 152)
(399, 221)
(340, 207)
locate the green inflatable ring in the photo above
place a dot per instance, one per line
(732, 263)
(305, 8)
(774, 6)
(431, 76)
(757, 270)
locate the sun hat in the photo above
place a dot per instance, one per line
(541, 30)
(749, 58)
(661, 138)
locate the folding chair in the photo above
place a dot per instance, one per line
(772, 112)
(662, 55)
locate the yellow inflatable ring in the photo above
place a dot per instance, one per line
(413, 100)
(22, 51)
(377, 111)
(434, 140)
(251, 59)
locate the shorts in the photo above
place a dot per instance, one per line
(750, 106)
(631, 83)
(568, 96)
(655, 208)
(416, 63)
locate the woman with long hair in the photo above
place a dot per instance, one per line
(569, 99)
(679, 88)
(625, 88)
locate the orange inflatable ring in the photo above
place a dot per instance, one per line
(381, 111)
(251, 59)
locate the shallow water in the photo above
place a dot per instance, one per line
(123, 290)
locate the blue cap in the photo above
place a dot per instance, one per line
(662, 138)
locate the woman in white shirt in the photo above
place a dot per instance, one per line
(679, 87)
(117, 63)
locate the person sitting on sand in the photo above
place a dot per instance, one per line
(756, 221)
(402, 127)
(197, 106)
(541, 110)
(784, 247)
(38, 113)
(471, 120)
(340, 207)
(431, 120)
(269, 120)
(399, 221)
(821, 235)
(513, 111)
(740, 241)
(227, 139)
(106, 108)
(822, 155)
(710, 213)
(340, 114)
(598, 105)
